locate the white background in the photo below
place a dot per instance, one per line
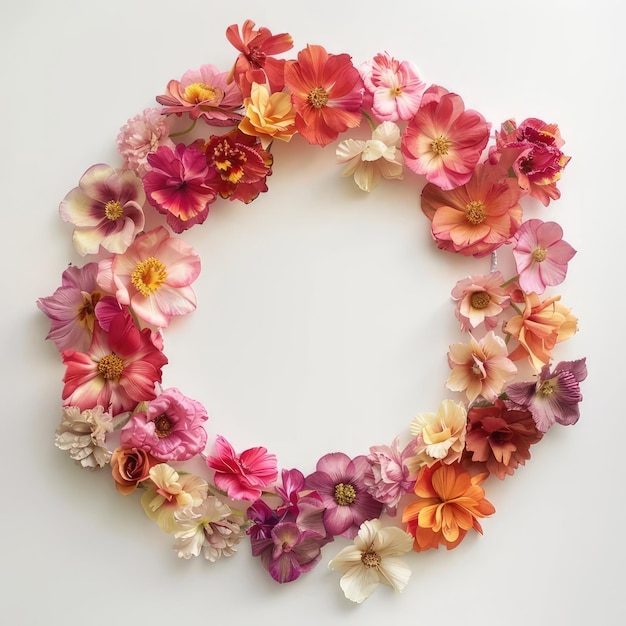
(324, 314)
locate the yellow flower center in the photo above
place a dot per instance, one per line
(539, 254)
(199, 92)
(370, 559)
(113, 210)
(546, 388)
(110, 367)
(440, 145)
(475, 212)
(344, 494)
(148, 276)
(396, 91)
(480, 300)
(318, 97)
(162, 426)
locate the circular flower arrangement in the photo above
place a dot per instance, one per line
(423, 488)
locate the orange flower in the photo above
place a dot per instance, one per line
(451, 501)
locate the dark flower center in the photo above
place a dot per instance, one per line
(480, 300)
(370, 559)
(344, 494)
(162, 426)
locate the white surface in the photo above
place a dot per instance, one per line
(324, 314)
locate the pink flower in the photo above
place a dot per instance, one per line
(177, 185)
(480, 368)
(541, 255)
(141, 136)
(393, 89)
(119, 370)
(171, 428)
(480, 299)
(242, 476)
(153, 277)
(443, 141)
(106, 209)
(205, 93)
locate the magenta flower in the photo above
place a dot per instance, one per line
(171, 428)
(177, 185)
(555, 396)
(443, 141)
(242, 476)
(541, 255)
(106, 209)
(340, 481)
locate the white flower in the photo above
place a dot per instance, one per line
(371, 560)
(83, 435)
(371, 159)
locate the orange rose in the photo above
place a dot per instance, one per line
(129, 467)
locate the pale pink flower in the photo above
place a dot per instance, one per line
(541, 255)
(480, 299)
(153, 277)
(106, 209)
(393, 89)
(242, 476)
(480, 368)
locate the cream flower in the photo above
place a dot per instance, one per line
(83, 435)
(438, 436)
(372, 560)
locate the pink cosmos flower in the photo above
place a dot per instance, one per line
(71, 308)
(443, 141)
(541, 255)
(177, 185)
(153, 277)
(120, 369)
(480, 368)
(340, 481)
(142, 135)
(204, 93)
(393, 89)
(242, 476)
(170, 429)
(327, 93)
(480, 299)
(106, 209)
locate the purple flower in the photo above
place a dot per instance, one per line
(340, 481)
(554, 397)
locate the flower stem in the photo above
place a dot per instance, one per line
(184, 132)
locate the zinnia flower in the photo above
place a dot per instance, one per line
(153, 277)
(555, 396)
(373, 560)
(480, 368)
(476, 218)
(242, 476)
(106, 209)
(541, 255)
(327, 92)
(370, 160)
(450, 503)
(171, 428)
(480, 300)
(340, 481)
(443, 141)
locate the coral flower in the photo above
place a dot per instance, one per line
(500, 437)
(370, 160)
(269, 116)
(106, 209)
(480, 299)
(450, 503)
(443, 141)
(373, 560)
(153, 277)
(177, 185)
(476, 218)
(255, 63)
(480, 368)
(393, 89)
(327, 92)
(119, 370)
(204, 93)
(541, 255)
(242, 476)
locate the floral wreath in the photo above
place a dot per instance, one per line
(424, 488)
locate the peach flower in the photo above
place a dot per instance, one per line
(480, 299)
